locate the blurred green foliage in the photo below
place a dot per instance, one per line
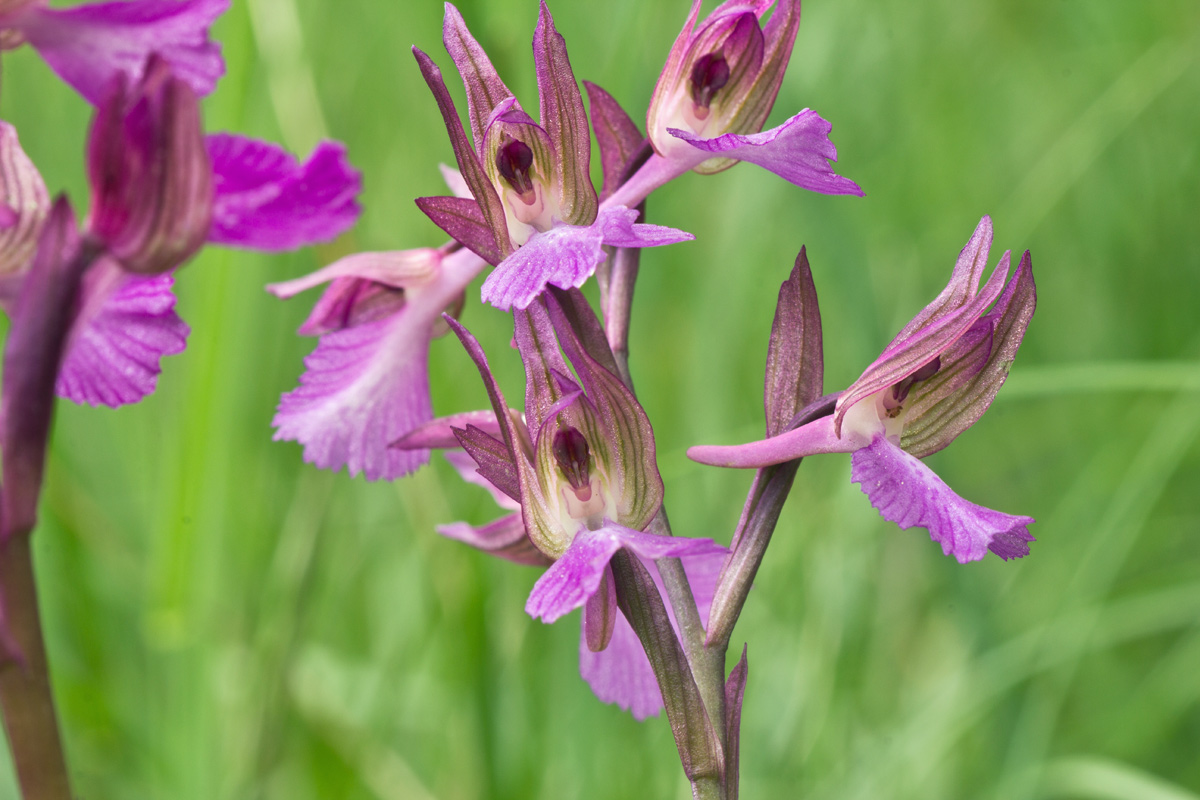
(227, 622)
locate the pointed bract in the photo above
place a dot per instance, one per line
(24, 202)
(795, 357)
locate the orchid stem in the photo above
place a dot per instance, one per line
(25, 692)
(707, 664)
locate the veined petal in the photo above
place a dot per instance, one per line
(439, 433)
(816, 437)
(908, 493)
(126, 324)
(23, 201)
(469, 166)
(621, 673)
(933, 426)
(364, 387)
(400, 269)
(462, 220)
(484, 88)
(265, 199)
(797, 151)
(505, 538)
(576, 575)
(963, 284)
(620, 228)
(88, 44)
(566, 256)
(563, 117)
(367, 385)
(904, 356)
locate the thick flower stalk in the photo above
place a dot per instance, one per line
(533, 210)
(935, 379)
(160, 190)
(714, 94)
(90, 44)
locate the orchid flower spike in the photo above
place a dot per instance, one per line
(533, 210)
(583, 468)
(578, 477)
(90, 44)
(932, 382)
(714, 94)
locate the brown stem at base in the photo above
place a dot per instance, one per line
(25, 695)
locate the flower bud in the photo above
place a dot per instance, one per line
(151, 179)
(722, 75)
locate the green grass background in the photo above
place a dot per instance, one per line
(227, 622)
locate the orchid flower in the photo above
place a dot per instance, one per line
(367, 382)
(578, 475)
(160, 189)
(714, 94)
(90, 44)
(932, 382)
(534, 211)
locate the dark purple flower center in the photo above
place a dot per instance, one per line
(710, 73)
(893, 401)
(572, 455)
(514, 160)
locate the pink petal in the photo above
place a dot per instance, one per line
(267, 200)
(797, 151)
(400, 269)
(576, 575)
(908, 493)
(816, 437)
(89, 44)
(566, 256)
(621, 673)
(505, 538)
(364, 387)
(127, 323)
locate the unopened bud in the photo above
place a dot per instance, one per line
(151, 179)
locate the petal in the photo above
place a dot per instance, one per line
(621, 673)
(566, 256)
(484, 88)
(439, 433)
(462, 220)
(400, 269)
(505, 538)
(617, 226)
(89, 44)
(23, 201)
(267, 200)
(906, 354)
(600, 614)
(562, 114)
(577, 574)
(468, 160)
(816, 437)
(127, 323)
(908, 493)
(364, 387)
(797, 151)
